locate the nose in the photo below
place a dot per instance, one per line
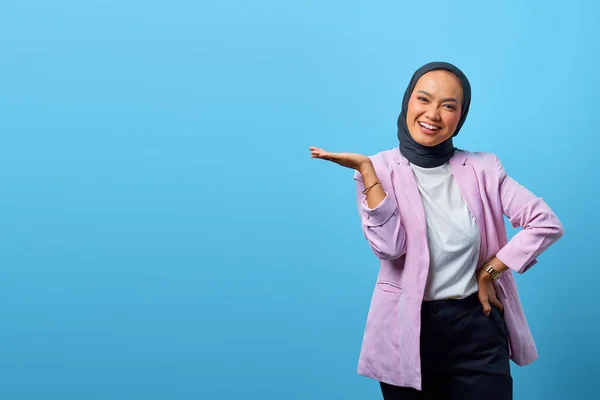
(432, 113)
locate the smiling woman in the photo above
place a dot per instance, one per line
(434, 108)
(445, 315)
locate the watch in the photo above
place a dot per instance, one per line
(490, 270)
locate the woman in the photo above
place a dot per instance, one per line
(445, 316)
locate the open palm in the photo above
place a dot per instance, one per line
(349, 160)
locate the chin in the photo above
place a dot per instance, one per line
(429, 140)
(426, 140)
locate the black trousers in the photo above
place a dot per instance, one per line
(464, 354)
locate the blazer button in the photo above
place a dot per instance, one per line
(366, 215)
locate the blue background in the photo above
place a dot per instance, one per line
(165, 235)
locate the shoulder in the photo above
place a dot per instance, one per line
(482, 160)
(486, 164)
(483, 157)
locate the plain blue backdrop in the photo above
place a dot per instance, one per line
(165, 235)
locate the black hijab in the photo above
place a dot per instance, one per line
(431, 156)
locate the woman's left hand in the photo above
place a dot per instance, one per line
(487, 292)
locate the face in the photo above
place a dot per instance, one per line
(434, 108)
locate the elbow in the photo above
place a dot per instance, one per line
(390, 256)
(559, 231)
(387, 238)
(556, 229)
(547, 223)
(392, 252)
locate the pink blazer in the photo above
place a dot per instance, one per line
(396, 231)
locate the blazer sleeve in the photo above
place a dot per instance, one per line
(540, 226)
(381, 225)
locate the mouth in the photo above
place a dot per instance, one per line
(429, 128)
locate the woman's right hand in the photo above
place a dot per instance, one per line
(355, 161)
(370, 181)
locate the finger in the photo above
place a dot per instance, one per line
(486, 305)
(316, 149)
(327, 156)
(322, 155)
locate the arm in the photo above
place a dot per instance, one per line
(377, 209)
(376, 194)
(379, 215)
(540, 226)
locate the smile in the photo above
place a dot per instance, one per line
(429, 126)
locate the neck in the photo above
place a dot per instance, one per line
(425, 156)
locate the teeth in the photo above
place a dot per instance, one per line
(432, 127)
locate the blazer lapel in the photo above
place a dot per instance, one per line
(406, 183)
(465, 178)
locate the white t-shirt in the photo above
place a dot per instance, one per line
(452, 233)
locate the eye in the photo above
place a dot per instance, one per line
(423, 99)
(450, 106)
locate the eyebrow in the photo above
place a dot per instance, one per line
(443, 100)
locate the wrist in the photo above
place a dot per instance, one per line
(491, 271)
(366, 168)
(484, 276)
